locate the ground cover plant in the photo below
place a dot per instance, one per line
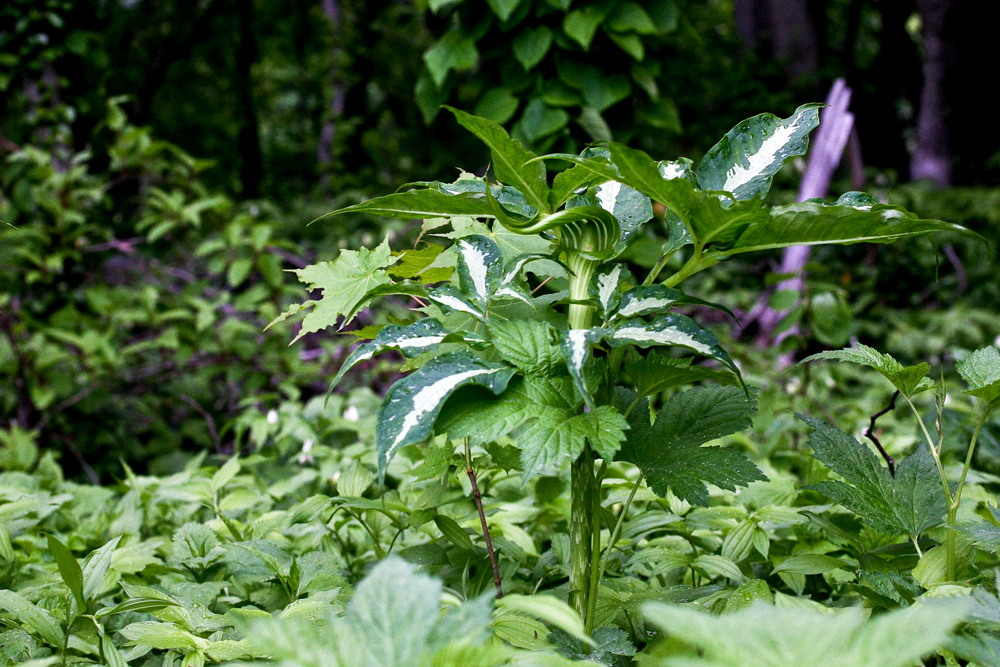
(543, 486)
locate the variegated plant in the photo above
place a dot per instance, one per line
(557, 368)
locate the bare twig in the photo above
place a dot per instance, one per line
(482, 519)
(126, 246)
(960, 274)
(208, 420)
(870, 434)
(78, 455)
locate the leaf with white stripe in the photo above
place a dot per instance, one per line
(411, 340)
(671, 330)
(678, 234)
(451, 299)
(609, 282)
(745, 160)
(647, 299)
(480, 266)
(412, 404)
(576, 345)
(630, 207)
(515, 268)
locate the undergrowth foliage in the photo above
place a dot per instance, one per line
(437, 527)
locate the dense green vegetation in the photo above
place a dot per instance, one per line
(503, 416)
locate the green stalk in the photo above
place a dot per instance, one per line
(950, 541)
(583, 491)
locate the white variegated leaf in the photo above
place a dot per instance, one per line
(646, 299)
(629, 206)
(411, 340)
(514, 268)
(480, 264)
(682, 168)
(451, 299)
(746, 159)
(671, 330)
(576, 345)
(608, 285)
(412, 404)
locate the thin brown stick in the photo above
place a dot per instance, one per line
(208, 420)
(870, 434)
(541, 284)
(486, 531)
(88, 469)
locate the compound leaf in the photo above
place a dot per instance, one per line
(658, 373)
(909, 380)
(670, 452)
(909, 503)
(530, 345)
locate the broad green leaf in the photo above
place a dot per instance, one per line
(112, 657)
(810, 564)
(498, 105)
(714, 565)
(411, 340)
(511, 162)
(420, 204)
(671, 330)
(225, 474)
(412, 404)
(503, 8)
(162, 636)
(344, 282)
(984, 534)
(932, 568)
(452, 299)
(581, 25)
(546, 608)
(480, 267)
(658, 373)
(417, 264)
(981, 371)
(909, 380)
(69, 568)
(646, 300)
(453, 532)
(540, 120)
(670, 451)
(455, 52)
(531, 45)
(393, 613)
(39, 620)
(831, 318)
(96, 568)
(745, 160)
(631, 17)
(765, 636)
(907, 504)
(541, 415)
(530, 345)
(748, 594)
(814, 223)
(567, 182)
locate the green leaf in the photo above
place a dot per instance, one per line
(546, 608)
(511, 162)
(831, 318)
(748, 594)
(541, 414)
(6, 546)
(70, 570)
(581, 25)
(96, 568)
(810, 564)
(414, 264)
(344, 282)
(451, 299)
(503, 8)
(745, 160)
(164, 636)
(630, 43)
(225, 474)
(413, 339)
(112, 657)
(670, 451)
(610, 281)
(909, 380)
(657, 373)
(412, 404)
(530, 345)
(421, 204)
(567, 182)
(393, 613)
(455, 52)
(35, 618)
(498, 105)
(540, 120)
(671, 330)
(531, 45)
(453, 532)
(764, 635)
(815, 223)
(631, 17)
(630, 207)
(480, 267)
(140, 605)
(646, 300)
(603, 92)
(575, 346)
(907, 504)
(981, 371)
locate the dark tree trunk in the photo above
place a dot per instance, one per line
(931, 158)
(251, 171)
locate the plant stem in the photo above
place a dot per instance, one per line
(595, 573)
(482, 519)
(934, 452)
(580, 315)
(582, 492)
(950, 541)
(618, 525)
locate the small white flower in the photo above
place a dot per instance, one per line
(351, 414)
(996, 341)
(272, 416)
(305, 456)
